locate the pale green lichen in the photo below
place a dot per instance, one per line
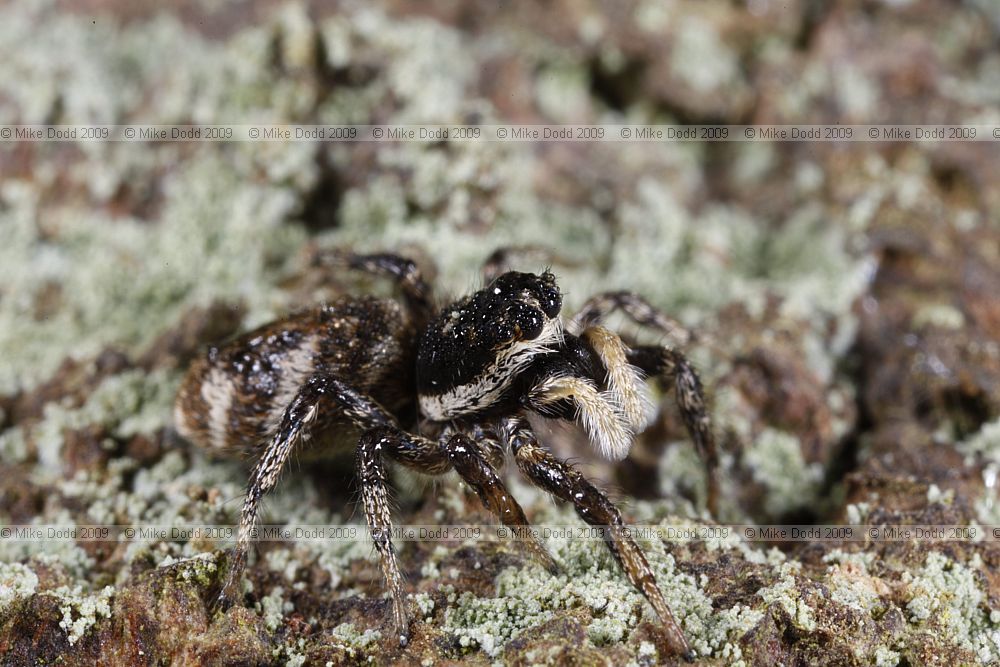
(702, 59)
(425, 603)
(772, 556)
(218, 238)
(984, 445)
(861, 559)
(562, 91)
(273, 608)
(856, 91)
(281, 560)
(787, 593)
(948, 594)
(290, 654)
(647, 650)
(710, 632)
(940, 315)
(591, 580)
(850, 583)
(426, 70)
(443, 185)
(489, 622)
(886, 657)
(128, 403)
(652, 16)
(936, 495)
(64, 554)
(200, 568)
(13, 446)
(775, 457)
(353, 640)
(298, 37)
(221, 232)
(17, 582)
(678, 470)
(857, 513)
(81, 611)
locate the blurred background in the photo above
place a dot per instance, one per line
(842, 297)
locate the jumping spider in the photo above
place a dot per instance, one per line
(462, 379)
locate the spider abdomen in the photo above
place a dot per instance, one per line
(233, 397)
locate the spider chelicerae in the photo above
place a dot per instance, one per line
(444, 389)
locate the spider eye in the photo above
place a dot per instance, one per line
(551, 300)
(531, 325)
(549, 297)
(520, 322)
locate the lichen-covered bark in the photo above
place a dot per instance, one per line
(843, 299)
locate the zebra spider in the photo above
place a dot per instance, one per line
(444, 389)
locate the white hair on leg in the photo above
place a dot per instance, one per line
(626, 385)
(595, 411)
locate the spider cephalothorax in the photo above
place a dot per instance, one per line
(471, 354)
(443, 390)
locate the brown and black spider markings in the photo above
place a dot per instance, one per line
(360, 369)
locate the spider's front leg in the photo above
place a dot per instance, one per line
(593, 506)
(476, 469)
(671, 366)
(659, 361)
(423, 455)
(636, 308)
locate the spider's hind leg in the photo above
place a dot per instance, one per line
(564, 482)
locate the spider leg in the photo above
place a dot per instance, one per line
(562, 481)
(604, 423)
(469, 461)
(403, 271)
(319, 398)
(626, 385)
(500, 259)
(416, 452)
(490, 445)
(460, 452)
(672, 366)
(637, 308)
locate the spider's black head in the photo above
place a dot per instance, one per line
(472, 352)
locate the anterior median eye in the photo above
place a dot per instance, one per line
(528, 319)
(531, 325)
